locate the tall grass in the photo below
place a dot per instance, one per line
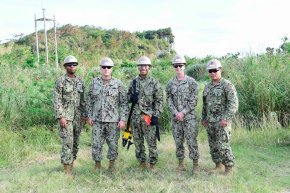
(26, 96)
(262, 83)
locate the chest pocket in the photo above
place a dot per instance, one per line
(96, 91)
(68, 88)
(148, 91)
(113, 92)
(218, 96)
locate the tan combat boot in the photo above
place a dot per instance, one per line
(143, 165)
(228, 171)
(195, 168)
(181, 166)
(153, 168)
(98, 166)
(218, 168)
(112, 167)
(68, 170)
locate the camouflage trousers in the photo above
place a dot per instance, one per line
(102, 132)
(219, 144)
(70, 141)
(140, 132)
(188, 130)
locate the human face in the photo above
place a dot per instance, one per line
(143, 69)
(179, 68)
(215, 74)
(106, 71)
(71, 68)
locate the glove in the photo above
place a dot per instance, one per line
(154, 120)
(147, 119)
(134, 98)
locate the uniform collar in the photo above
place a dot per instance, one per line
(219, 82)
(180, 81)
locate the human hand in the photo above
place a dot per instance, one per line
(121, 124)
(84, 120)
(223, 123)
(179, 116)
(91, 122)
(204, 123)
(63, 122)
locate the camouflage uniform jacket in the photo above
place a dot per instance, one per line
(69, 98)
(150, 99)
(182, 96)
(220, 101)
(107, 102)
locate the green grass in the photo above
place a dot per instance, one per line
(260, 167)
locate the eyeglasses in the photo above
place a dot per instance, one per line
(180, 66)
(213, 70)
(71, 64)
(108, 67)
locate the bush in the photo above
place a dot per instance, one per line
(197, 71)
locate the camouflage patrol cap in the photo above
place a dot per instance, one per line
(144, 60)
(178, 59)
(106, 62)
(213, 64)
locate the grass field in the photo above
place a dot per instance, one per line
(259, 168)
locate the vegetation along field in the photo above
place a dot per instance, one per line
(29, 138)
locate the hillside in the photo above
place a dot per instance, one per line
(89, 44)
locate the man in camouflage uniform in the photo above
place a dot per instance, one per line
(220, 103)
(149, 99)
(69, 107)
(182, 95)
(107, 107)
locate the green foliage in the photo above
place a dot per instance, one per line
(26, 99)
(263, 84)
(197, 71)
(165, 33)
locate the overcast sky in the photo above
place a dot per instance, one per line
(201, 28)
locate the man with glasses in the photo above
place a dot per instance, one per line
(107, 108)
(182, 95)
(69, 108)
(147, 93)
(220, 103)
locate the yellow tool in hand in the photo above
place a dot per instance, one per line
(127, 138)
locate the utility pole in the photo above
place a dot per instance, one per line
(55, 42)
(44, 19)
(45, 37)
(36, 39)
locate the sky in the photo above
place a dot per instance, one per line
(200, 27)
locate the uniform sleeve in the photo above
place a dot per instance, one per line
(170, 104)
(90, 101)
(123, 101)
(57, 100)
(192, 101)
(158, 99)
(203, 113)
(232, 102)
(83, 101)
